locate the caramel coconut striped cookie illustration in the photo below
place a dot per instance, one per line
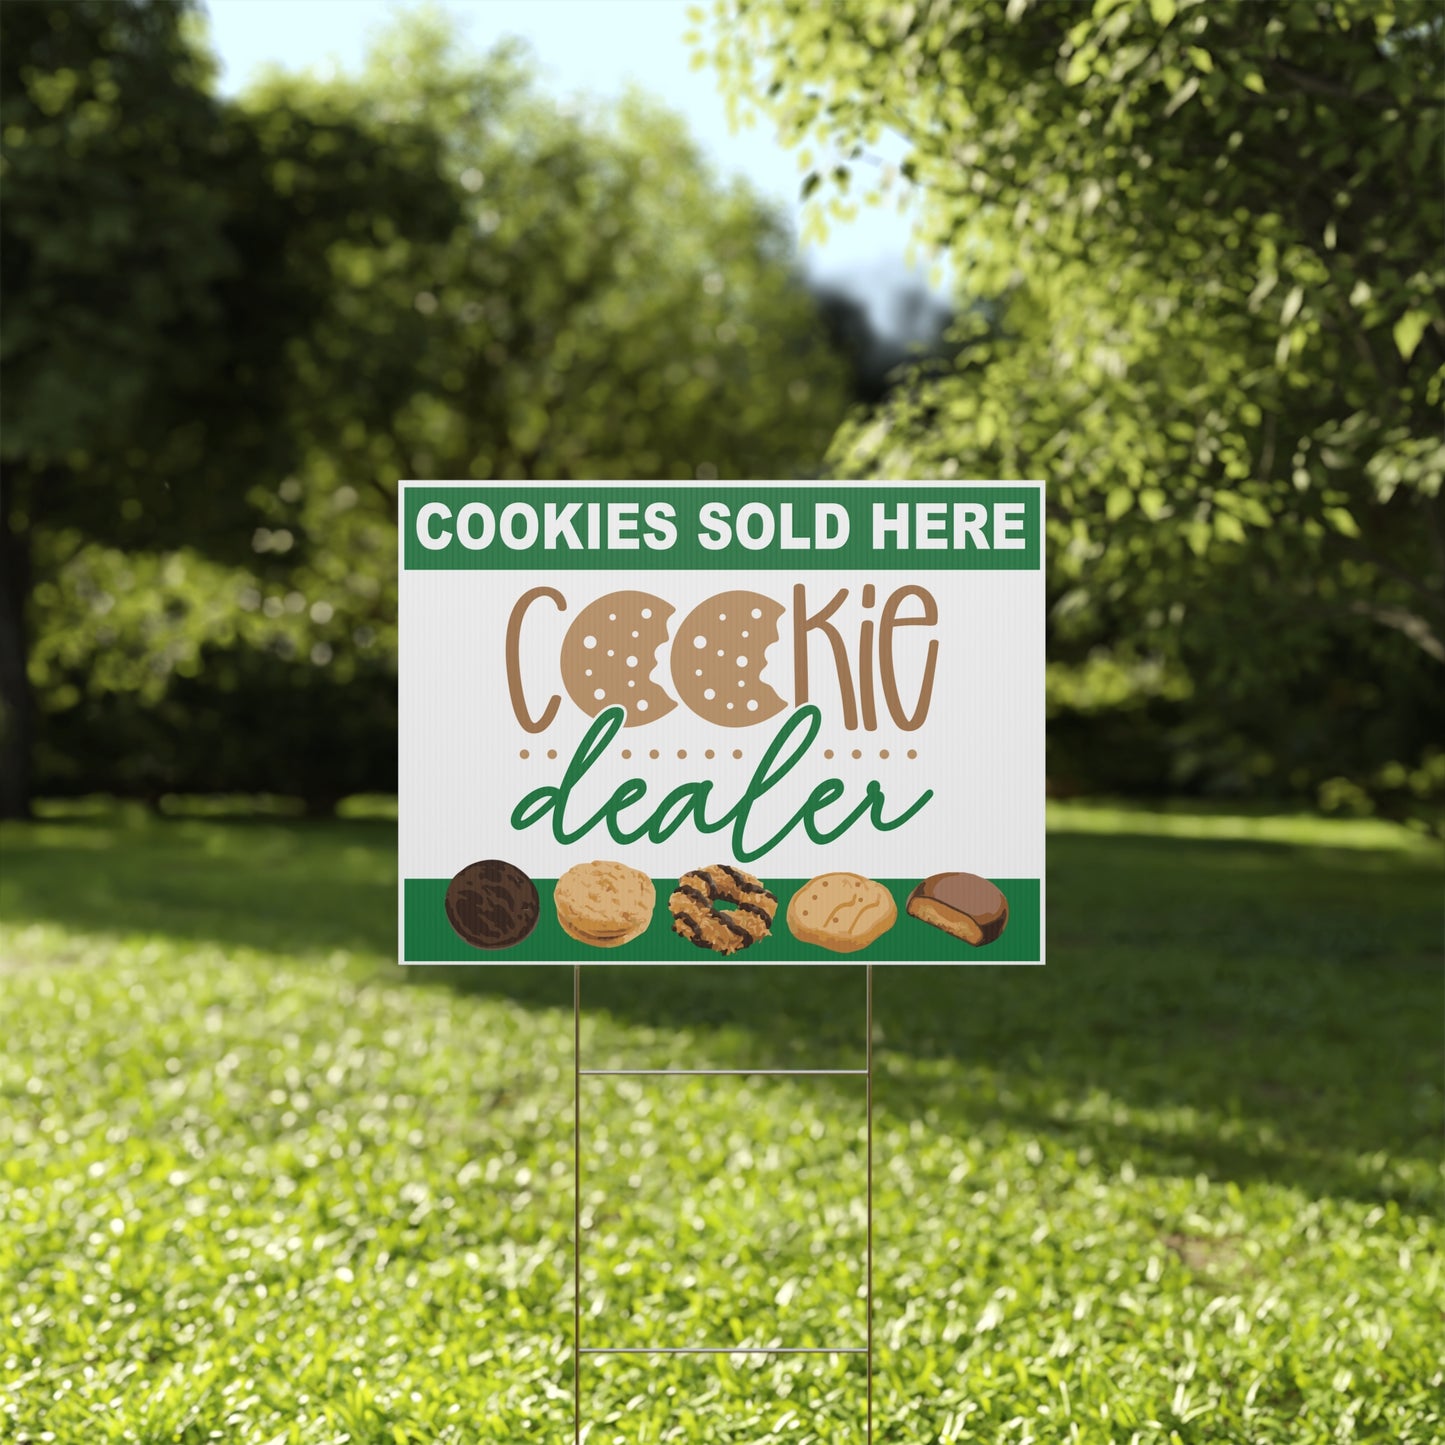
(696, 916)
(841, 911)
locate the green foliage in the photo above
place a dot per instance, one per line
(166, 260)
(1184, 1186)
(162, 252)
(608, 310)
(459, 278)
(1215, 235)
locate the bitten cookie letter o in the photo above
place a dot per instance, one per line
(717, 656)
(609, 653)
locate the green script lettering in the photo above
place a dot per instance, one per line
(789, 746)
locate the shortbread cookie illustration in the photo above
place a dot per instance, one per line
(492, 904)
(696, 916)
(841, 911)
(604, 904)
(718, 652)
(963, 904)
(609, 653)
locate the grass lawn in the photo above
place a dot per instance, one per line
(1184, 1184)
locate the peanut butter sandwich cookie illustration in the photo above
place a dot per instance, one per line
(492, 904)
(697, 917)
(841, 911)
(604, 905)
(961, 904)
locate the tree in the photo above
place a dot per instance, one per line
(603, 308)
(161, 253)
(1216, 237)
(609, 309)
(882, 357)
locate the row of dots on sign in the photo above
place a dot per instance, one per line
(737, 753)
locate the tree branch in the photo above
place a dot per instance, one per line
(1407, 623)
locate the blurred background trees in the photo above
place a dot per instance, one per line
(1197, 258)
(1213, 237)
(234, 327)
(170, 264)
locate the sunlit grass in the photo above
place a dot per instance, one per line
(1190, 820)
(258, 1185)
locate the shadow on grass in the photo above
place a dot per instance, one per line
(1243, 1010)
(288, 887)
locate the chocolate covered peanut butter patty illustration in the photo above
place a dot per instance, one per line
(492, 904)
(962, 904)
(696, 916)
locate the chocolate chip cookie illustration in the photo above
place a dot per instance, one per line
(961, 904)
(604, 905)
(492, 904)
(696, 916)
(718, 655)
(609, 653)
(841, 911)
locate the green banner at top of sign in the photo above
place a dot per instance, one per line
(836, 527)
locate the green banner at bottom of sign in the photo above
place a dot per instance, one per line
(428, 937)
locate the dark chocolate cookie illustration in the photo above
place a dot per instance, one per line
(492, 904)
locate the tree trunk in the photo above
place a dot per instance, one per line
(17, 700)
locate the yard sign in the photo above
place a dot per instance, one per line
(650, 722)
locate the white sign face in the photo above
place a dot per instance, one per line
(648, 722)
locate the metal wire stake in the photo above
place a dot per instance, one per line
(723, 1350)
(578, 1072)
(869, 1286)
(723, 1073)
(577, 1204)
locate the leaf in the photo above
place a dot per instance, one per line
(1163, 11)
(811, 182)
(1292, 304)
(1370, 78)
(1227, 527)
(1182, 96)
(1119, 501)
(1341, 520)
(1408, 330)
(1254, 81)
